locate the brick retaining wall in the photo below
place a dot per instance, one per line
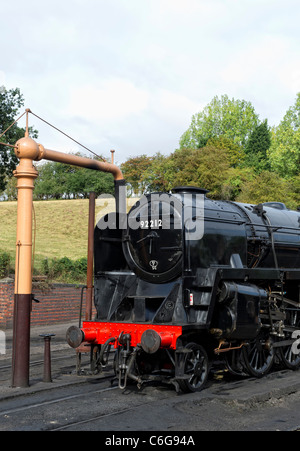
(58, 304)
(6, 305)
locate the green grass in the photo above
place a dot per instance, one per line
(61, 228)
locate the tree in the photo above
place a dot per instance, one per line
(235, 181)
(236, 119)
(205, 168)
(284, 153)
(87, 180)
(11, 191)
(51, 181)
(155, 177)
(57, 181)
(257, 148)
(234, 151)
(294, 190)
(133, 170)
(266, 187)
(10, 103)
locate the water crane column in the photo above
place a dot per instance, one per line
(28, 151)
(25, 174)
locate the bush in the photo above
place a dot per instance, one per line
(4, 265)
(65, 269)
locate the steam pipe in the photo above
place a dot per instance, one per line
(90, 258)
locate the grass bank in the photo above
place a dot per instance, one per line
(60, 226)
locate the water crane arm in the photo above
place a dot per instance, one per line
(28, 148)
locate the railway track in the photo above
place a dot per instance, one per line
(69, 408)
(73, 403)
(62, 363)
(3, 368)
(96, 405)
(51, 401)
(36, 365)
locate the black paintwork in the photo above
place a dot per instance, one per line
(158, 276)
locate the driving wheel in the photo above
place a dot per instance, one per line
(196, 369)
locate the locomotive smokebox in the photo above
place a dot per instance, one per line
(151, 341)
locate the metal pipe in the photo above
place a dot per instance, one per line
(90, 264)
(60, 157)
(112, 156)
(80, 308)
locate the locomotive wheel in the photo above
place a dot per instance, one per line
(259, 356)
(235, 363)
(197, 367)
(288, 359)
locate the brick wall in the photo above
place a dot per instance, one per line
(58, 304)
(6, 305)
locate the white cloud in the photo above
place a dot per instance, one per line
(2, 78)
(173, 107)
(201, 11)
(255, 62)
(108, 100)
(266, 72)
(130, 74)
(295, 78)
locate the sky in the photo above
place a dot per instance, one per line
(129, 75)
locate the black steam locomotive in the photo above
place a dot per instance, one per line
(183, 278)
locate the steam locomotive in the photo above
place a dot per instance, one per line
(183, 278)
